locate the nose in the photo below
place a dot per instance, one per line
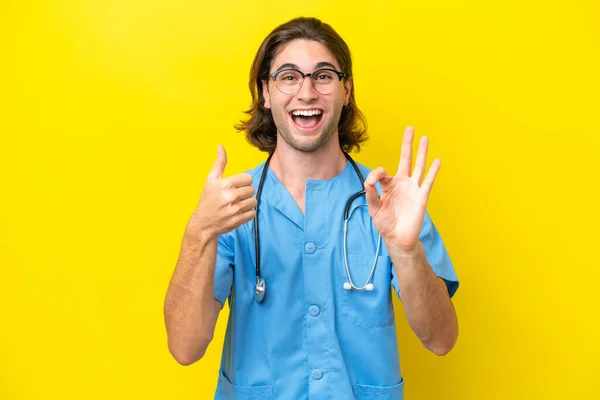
(307, 91)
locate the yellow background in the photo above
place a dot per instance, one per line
(111, 112)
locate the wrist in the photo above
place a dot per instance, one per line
(196, 231)
(405, 256)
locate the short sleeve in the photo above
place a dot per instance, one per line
(436, 255)
(224, 269)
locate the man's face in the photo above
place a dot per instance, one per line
(321, 112)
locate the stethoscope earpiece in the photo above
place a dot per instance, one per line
(368, 286)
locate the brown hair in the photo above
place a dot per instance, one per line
(260, 128)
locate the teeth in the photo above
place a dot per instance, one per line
(307, 113)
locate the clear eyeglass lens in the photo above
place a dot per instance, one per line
(324, 81)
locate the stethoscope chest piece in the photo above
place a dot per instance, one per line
(259, 290)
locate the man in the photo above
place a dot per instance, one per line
(311, 317)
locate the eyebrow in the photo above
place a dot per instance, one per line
(322, 64)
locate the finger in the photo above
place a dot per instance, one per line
(247, 204)
(406, 152)
(421, 159)
(239, 180)
(219, 166)
(243, 193)
(378, 175)
(372, 196)
(244, 217)
(430, 178)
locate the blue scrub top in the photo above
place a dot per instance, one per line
(310, 338)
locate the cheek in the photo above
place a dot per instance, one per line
(338, 106)
(278, 112)
(278, 104)
(279, 115)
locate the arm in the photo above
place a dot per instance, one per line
(427, 305)
(398, 216)
(190, 308)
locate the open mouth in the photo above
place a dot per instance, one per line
(307, 120)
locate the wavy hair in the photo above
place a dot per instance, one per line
(260, 128)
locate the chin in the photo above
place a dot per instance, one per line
(307, 142)
(305, 139)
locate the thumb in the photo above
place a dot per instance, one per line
(373, 200)
(219, 166)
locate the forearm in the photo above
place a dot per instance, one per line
(427, 306)
(189, 304)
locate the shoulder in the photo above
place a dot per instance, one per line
(365, 170)
(256, 173)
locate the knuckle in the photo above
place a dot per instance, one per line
(225, 183)
(228, 197)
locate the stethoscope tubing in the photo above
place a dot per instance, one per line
(260, 286)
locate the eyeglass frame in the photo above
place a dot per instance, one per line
(273, 75)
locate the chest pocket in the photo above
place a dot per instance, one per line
(369, 308)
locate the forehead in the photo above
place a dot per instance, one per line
(306, 54)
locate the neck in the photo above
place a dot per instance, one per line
(293, 167)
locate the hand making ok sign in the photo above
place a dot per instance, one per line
(398, 215)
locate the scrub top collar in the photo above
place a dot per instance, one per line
(280, 197)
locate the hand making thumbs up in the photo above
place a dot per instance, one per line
(225, 203)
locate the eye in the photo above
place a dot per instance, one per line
(288, 76)
(324, 76)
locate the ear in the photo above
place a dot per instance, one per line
(265, 90)
(348, 90)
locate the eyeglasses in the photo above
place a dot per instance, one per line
(289, 81)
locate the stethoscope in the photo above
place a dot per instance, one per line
(261, 287)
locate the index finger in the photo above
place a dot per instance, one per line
(239, 180)
(406, 152)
